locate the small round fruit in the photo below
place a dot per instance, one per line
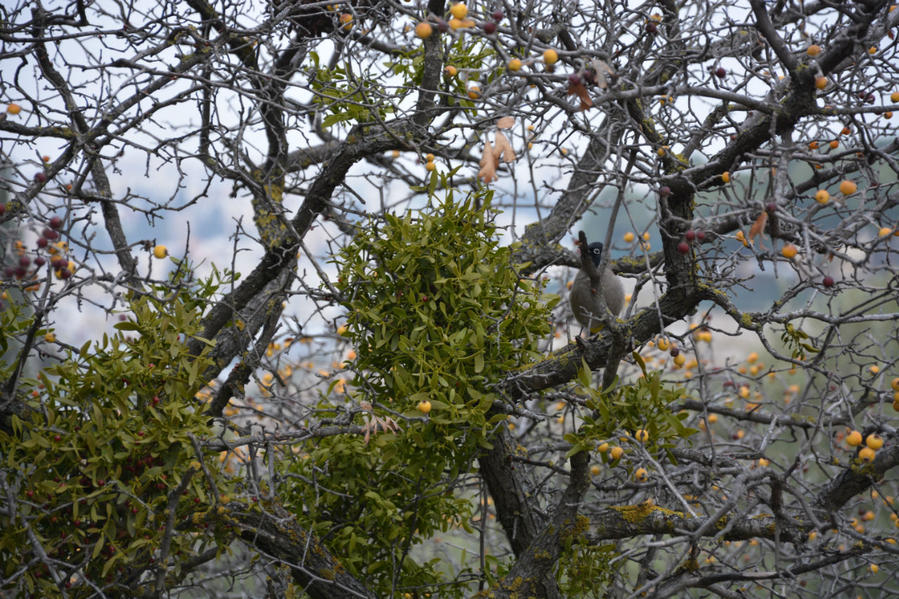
(820, 82)
(514, 64)
(894, 97)
(615, 453)
(690, 235)
(641, 435)
(595, 470)
(498, 15)
(813, 50)
(424, 407)
(854, 439)
(628, 237)
(423, 30)
(603, 447)
(848, 187)
(874, 441)
(664, 191)
(895, 384)
(346, 19)
(720, 73)
(725, 176)
(574, 79)
(474, 92)
(429, 166)
(884, 232)
(160, 251)
(450, 70)
(652, 28)
(822, 196)
(489, 27)
(866, 454)
(789, 251)
(13, 108)
(683, 247)
(827, 281)
(40, 178)
(459, 10)
(550, 56)
(55, 223)
(640, 474)
(834, 144)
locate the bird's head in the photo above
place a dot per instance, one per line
(595, 251)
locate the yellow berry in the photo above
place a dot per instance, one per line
(640, 474)
(514, 64)
(763, 462)
(884, 231)
(628, 237)
(641, 435)
(13, 108)
(822, 196)
(895, 384)
(854, 439)
(663, 343)
(872, 50)
(615, 453)
(424, 406)
(49, 337)
(866, 454)
(848, 187)
(725, 176)
(604, 447)
(874, 568)
(430, 166)
(595, 470)
(820, 82)
(813, 50)
(459, 10)
(474, 92)
(160, 251)
(874, 441)
(894, 97)
(423, 30)
(550, 56)
(789, 251)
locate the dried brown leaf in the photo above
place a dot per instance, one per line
(505, 123)
(758, 226)
(503, 148)
(488, 164)
(578, 89)
(603, 73)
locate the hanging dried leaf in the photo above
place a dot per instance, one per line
(505, 123)
(503, 148)
(488, 164)
(603, 72)
(758, 226)
(578, 89)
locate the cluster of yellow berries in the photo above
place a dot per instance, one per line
(873, 442)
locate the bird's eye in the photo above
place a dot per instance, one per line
(595, 251)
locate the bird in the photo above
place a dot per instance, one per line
(585, 300)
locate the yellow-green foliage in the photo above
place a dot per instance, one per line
(436, 312)
(642, 405)
(93, 469)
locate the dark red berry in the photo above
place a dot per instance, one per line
(664, 191)
(65, 273)
(827, 281)
(651, 27)
(700, 235)
(720, 72)
(55, 223)
(674, 351)
(39, 261)
(771, 207)
(41, 242)
(489, 27)
(498, 15)
(50, 234)
(40, 178)
(20, 272)
(574, 79)
(690, 235)
(24, 261)
(683, 247)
